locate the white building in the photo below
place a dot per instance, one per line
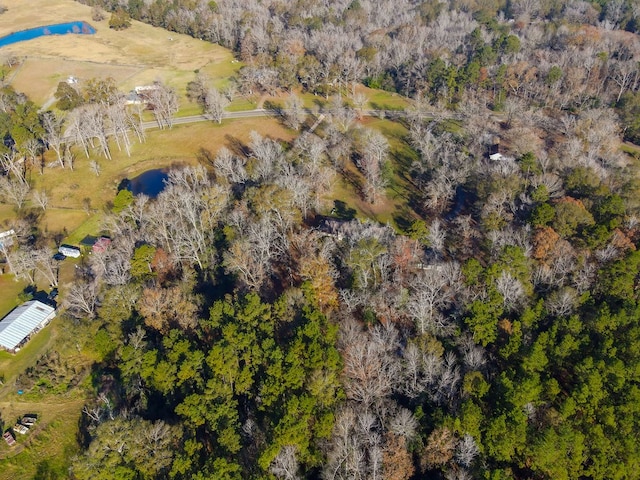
(69, 251)
(18, 326)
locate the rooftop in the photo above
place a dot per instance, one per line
(22, 322)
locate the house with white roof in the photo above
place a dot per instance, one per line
(18, 326)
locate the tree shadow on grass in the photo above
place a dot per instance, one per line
(236, 146)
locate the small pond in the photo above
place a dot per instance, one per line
(57, 29)
(149, 183)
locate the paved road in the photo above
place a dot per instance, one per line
(260, 112)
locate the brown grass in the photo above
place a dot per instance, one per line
(138, 55)
(178, 146)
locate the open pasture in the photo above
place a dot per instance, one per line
(135, 56)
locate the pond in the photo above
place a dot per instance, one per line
(149, 183)
(57, 29)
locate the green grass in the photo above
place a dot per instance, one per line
(48, 449)
(91, 226)
(10, 289)
(241, 104)
(381, 100)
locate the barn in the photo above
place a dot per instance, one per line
(18, 326)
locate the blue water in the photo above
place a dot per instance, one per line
(150, 183)
(58, 29)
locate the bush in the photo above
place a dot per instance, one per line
(119, 20)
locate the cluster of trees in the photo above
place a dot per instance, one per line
(497, 338)
(240, 333)
(567, 54)
(95, 117)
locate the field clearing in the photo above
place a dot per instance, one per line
(394, 207)
(138, 55)
(182, 145)
(47, 450)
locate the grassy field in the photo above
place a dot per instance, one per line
(181, 145)
(47, 449)
(9, 296)
(136, 56)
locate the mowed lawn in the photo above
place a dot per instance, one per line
(138, 55)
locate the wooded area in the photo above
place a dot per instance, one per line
(250, 323)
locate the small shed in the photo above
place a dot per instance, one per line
(101, 245)
(69, 251)
(18, 326)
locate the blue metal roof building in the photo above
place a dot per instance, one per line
(18, 326)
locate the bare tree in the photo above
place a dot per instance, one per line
(285, 465)
(40, 198)
(230, 166)
(14, 191)
(266, 153)
(13, 164)
(81, 298)
(375, 149)
(53, 137)
(511, 289)
(430, 293)
(214, 104)
(164, 102)
(467, 450)
(94, 166)
(371, 369)
(46, 265)
(294, 113)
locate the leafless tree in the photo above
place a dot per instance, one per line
(447, 386)
(214, 104)
(81, 298)
(375, 149)
(94, 166)
(21, 262)
(164, 101)
(46, 265)
(53, 137)
(230, 166)
(265, 153)
(40, 198)
(436, 237)
(430, 293)
(404, 423)
(285, 465)
(14, 191)
(370, 367)
(294, 113)
(420, 369)
(467, 450)
(183, 217)
(512, 291)
(13, 164)
(120, 124)
(563, 302)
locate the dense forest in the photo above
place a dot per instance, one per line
(245, 329)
